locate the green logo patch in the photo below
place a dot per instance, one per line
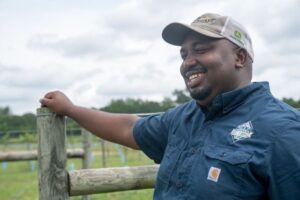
(238, 35)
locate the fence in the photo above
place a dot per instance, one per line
(33, 155)
(84, 153)
(55, 182)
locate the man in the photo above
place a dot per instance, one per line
(233, 141)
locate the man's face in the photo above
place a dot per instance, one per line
(208, 67)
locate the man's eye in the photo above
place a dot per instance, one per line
(201, 50)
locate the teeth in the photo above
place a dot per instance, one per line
(194, 76)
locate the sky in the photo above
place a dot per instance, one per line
(95, 50)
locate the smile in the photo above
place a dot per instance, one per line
(195, 79)
(194, 76)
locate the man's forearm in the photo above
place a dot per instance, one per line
(113, 127)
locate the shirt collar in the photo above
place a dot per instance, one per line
(228, 101)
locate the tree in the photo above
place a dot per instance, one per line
(181, 96)
(8, 121)
(292, 102)
(167, 103)
(130, 105)
(5, 111)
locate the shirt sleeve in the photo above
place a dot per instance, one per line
(151, 135)
(284, 165)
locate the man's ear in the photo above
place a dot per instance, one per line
(241, 58)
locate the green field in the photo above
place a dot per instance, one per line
(19, 181)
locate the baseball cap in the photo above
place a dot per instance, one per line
(211, 25)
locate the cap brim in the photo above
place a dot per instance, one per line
(175, 33)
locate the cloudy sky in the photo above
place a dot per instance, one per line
(98, 50)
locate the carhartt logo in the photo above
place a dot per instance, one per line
(243, 131)
(214, 174)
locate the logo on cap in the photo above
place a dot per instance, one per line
(204, 19)
(238, 35)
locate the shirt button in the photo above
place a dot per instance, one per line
(194, 150)
(223, 154)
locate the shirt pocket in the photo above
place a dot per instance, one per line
(230, 156)
(224, 170)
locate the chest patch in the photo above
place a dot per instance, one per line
(242, 131)
(213, 174)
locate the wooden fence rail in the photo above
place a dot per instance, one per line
(55, 182)
(33, 155)
(92, 181)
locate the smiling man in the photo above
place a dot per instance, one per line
(234, 140)
(212, 66)
(217, 60)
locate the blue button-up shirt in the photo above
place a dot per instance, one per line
(246, 147)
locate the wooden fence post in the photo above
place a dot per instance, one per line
(103, 150)
(87, 148)
(52, 156)
(87, 158)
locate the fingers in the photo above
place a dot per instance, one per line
(46, 101)
(50, 95)
(56, 101)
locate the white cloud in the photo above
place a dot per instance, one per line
(99, 50)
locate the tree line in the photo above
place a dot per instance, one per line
(10, 123)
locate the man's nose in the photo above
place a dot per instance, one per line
(189, 61)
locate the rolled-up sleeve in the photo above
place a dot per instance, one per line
(151, 135)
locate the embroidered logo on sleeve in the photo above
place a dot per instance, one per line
(242, 131)
(214, 174)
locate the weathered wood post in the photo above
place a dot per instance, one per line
(103, 150)
(87, 148)
(87, 158)
(52, 156)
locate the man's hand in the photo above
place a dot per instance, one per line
(58, 102)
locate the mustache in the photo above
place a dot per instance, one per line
(195, 70)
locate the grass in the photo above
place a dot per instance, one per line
(19, 182)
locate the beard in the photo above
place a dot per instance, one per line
(200, 94)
